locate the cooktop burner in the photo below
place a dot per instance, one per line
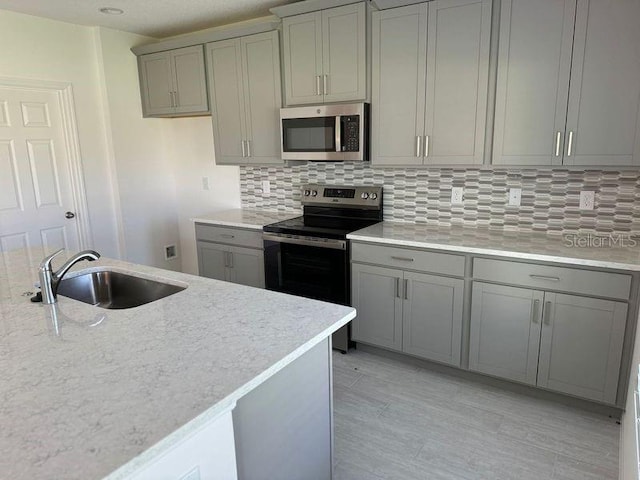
(319, 226)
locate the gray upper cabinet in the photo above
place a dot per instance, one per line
(505, 331)
(325, 55)
(430, 71)
(603, 118)
(581, 346)
(567, 89)
(245, 86)
(173, 83)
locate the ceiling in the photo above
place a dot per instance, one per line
(155, 18)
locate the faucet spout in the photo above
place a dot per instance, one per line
(49, 280)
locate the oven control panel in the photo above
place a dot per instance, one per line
(342, 196)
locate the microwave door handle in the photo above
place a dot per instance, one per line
(338, 134)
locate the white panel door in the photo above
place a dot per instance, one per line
(603, 118)
(35, 182)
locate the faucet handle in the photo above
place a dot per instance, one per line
(46, 262)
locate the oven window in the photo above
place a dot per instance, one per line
(309, 134)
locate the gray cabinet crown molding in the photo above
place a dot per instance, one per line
(309, 6)
(225, 32)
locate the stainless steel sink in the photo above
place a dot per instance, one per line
(115, 290)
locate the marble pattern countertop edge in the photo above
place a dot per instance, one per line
(248, 218)
(608, 252)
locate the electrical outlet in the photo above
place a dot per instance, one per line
(457, 195)
(205, 183)
(170, 251)
(266, 187)
(587, 200)
(515, 195)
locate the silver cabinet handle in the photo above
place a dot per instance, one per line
(397, 287)
(406, 289)
(226, 259)
(244, 154)
(325, 90)
(558, 134)
(547, 313)
(318, 85)
(230, 260)
(227, 235)
(545, 277)
(248, 148)
(426, 145)
(418, 140)
(534, 310)
(171, 99)
(570, 146)
(176, 99)
(404, 259)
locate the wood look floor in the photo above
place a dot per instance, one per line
(401, 422)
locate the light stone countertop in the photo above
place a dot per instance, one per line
(614, 252)
(86, 390)
(253, 219)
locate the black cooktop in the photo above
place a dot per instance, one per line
(320, 226)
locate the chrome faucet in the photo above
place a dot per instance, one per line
(49, 280)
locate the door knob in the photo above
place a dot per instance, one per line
(70, 215)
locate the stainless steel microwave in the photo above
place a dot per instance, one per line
(329, 133)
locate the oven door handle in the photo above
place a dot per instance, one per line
(323, 243)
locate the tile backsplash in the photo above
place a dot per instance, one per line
(550, 197)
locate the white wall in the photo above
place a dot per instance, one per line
(36, 48)
(191, 151)
(628, 453)
(138, 151)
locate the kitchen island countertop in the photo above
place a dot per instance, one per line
(253, 219)
(86, 390)
(592, 250)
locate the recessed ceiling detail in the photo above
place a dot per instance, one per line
(154, 18)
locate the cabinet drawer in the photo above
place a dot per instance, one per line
(405, 258)
(231, 236)
(545, 277)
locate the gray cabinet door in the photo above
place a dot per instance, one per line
(344, 53)
(227, 101)
(399, 51)
(212, 260)
(302, 35)
(190, 85)
(457, 77)
(432, 317)
(376, 297)
(505, 331)
(604, 97)
(156, 83)
(581, 346)
(246, 266)
(262, 97)
(534, 62)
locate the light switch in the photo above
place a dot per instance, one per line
(205, 183)
(266, 187)
(587, 200)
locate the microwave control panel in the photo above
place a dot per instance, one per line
(350, 133)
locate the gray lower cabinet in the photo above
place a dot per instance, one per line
(430, 69)
(567, 343)
(416, 313)
(173, 83)
(245, 91)
(230, 254)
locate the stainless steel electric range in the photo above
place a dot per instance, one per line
(309, 255)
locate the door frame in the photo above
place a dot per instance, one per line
(64, 94)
